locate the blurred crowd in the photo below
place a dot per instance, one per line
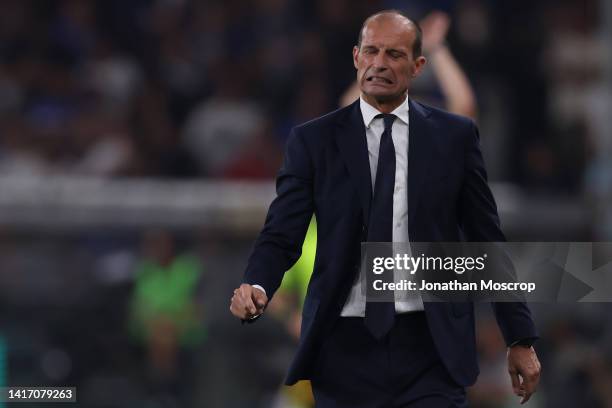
(209, 90)
(179, 88)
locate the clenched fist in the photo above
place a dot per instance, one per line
(248, 302)
(524, 368)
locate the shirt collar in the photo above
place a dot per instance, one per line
(368, 112)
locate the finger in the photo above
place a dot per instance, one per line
(247, 302)
(243, 293)
(237, 311)
(250, 298)
(526, 397)
(259, 298)
(530, 383)
(237, 306)
(516, 383)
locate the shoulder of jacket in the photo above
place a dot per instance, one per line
(326, 121)
(438, 114)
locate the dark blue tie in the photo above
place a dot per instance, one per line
(380, 315)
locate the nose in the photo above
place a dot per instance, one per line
(380, 63)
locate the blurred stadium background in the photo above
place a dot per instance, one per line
(139, 140)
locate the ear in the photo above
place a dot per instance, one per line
(355, 56)
(419, 64)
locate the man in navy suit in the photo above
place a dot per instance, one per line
(385, 168)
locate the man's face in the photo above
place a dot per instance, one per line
(384, 62)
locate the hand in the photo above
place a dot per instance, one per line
(435, 26)
(248, 302)
(524, 368)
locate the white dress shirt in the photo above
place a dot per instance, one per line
(356, 301)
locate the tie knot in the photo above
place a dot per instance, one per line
(388, 119)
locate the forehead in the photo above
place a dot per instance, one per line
(388, 31)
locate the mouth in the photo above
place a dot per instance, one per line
(379, 80)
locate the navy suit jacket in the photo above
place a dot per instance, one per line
(326, 172)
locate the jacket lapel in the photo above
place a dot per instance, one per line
(353, 147)
(419, 155)
(352, 144)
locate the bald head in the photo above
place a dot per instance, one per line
(398, 17)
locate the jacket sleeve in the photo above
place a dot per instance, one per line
(279, 244)
(479, 221)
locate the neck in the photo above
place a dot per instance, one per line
(384, 105)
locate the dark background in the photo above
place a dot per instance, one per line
(140, 136)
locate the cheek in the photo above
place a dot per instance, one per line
(361, 69)
(405, 74)
(401, 70)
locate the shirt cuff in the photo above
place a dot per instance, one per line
(526, 342)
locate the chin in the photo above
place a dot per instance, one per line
(383, 96)
(376, 92)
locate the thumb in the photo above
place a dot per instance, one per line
(259, 298)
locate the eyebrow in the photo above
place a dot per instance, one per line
(388, 50)
(396, 50)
